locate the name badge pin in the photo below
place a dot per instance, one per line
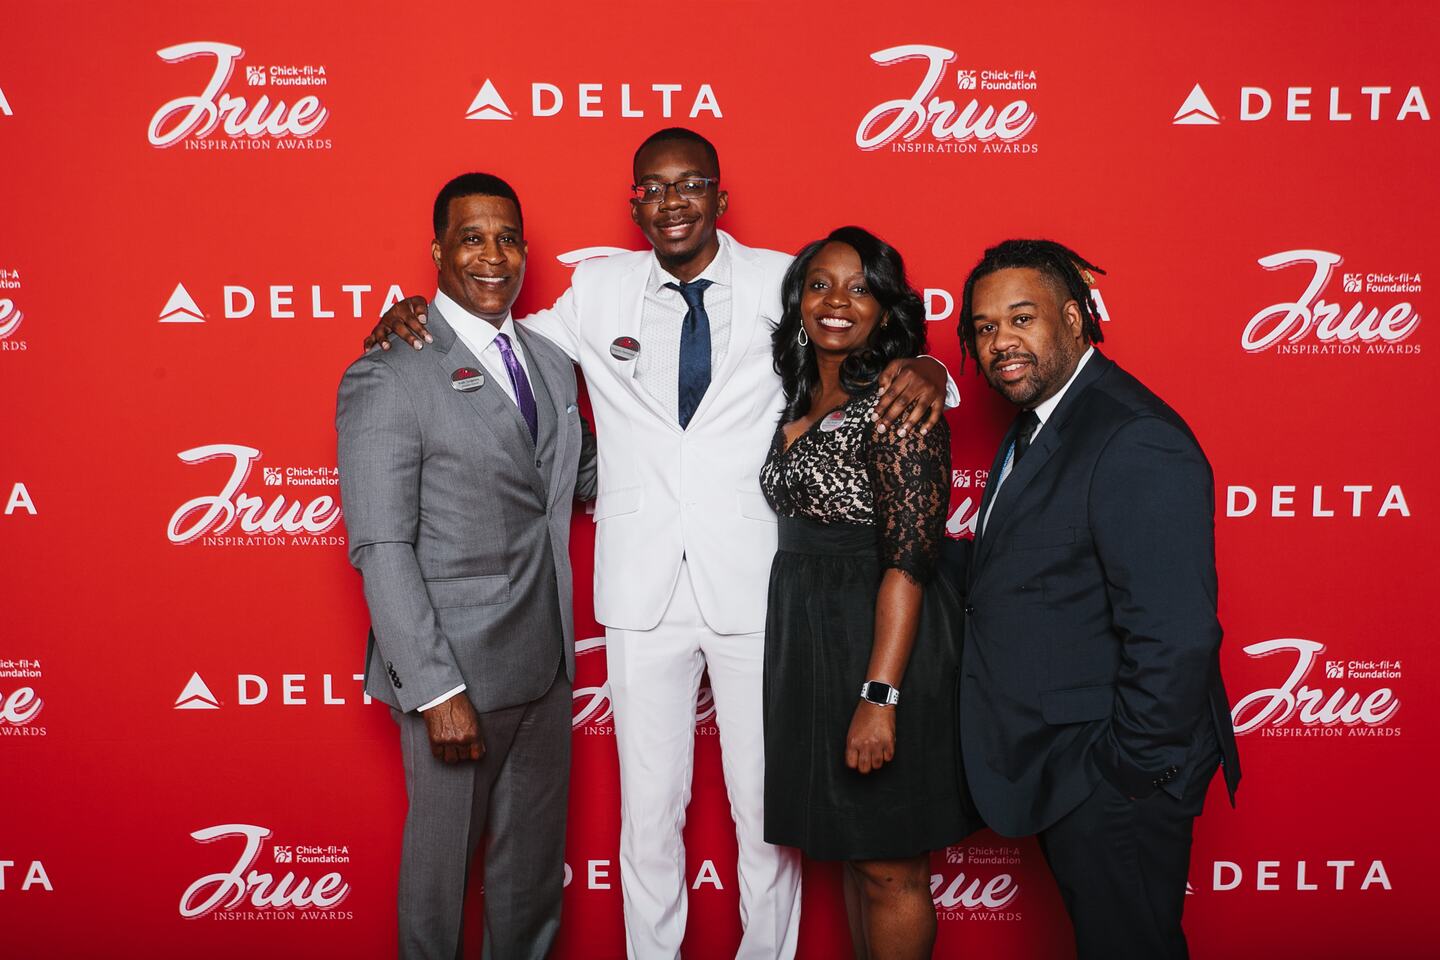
(467, 379)
(625, 348)
(832, 421)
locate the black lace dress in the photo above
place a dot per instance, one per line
(854, 503)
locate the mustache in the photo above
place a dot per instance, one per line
(1012, 357)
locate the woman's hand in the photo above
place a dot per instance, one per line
(871, 741)
(912, 393)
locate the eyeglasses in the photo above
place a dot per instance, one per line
(655, 191)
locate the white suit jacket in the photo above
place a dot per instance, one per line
(667, 494)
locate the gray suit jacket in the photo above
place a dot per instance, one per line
(459, 524)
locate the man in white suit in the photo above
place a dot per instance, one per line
(675, 345)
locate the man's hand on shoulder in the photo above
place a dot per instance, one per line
(912, 395)
(406, 319)
(454, 730)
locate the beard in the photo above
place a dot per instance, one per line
(1043, 375)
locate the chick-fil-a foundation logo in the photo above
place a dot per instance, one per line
(244, 892)
(278, 520)
(968, 886)
(241, 123)
(951, 126)
(1312, 325)
(1296, 709)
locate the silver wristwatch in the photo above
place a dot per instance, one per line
(880, 694)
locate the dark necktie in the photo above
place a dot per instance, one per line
(524, 398)
(694, 348)
(1029, 422)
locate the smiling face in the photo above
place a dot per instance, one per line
(681, 231)
(837, 308)
(1027, 335)
(481, 258)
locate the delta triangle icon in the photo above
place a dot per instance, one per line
(1196, 110)
(488, 105)
(196, 696)
(181, 308)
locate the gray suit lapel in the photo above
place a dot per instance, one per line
(551, 367)
(497, 412)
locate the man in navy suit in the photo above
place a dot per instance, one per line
(1092, 709)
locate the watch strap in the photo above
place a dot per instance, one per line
(880, 694)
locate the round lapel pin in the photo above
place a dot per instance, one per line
(625, 348)
(832, 421)
(467, 379)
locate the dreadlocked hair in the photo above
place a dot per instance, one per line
(1056, 261)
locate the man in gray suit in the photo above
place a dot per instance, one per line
(458, 467)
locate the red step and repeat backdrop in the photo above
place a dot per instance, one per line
(206, 205)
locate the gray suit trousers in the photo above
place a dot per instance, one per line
(515, 798)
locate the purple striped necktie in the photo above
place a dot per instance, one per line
(524, 398)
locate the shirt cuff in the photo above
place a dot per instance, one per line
(952, 392)
(440, 699)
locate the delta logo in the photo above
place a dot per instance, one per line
(218, 119)
(1308, 104)
(5, 110)
(35, 877)
(940, 304)
(283, 301)
(600, 100)
(289, 690)
(19, 501)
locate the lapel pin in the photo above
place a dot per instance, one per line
(832, 421)
(625, 348)
(467, 379)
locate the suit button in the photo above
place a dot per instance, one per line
(970, 609)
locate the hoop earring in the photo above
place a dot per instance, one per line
(802, 337)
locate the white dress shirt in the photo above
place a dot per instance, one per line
(1043, 410)
(662, 316)
(479, 335)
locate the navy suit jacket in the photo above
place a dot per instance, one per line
(1091, 638)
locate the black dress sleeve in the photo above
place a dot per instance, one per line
(910, 477)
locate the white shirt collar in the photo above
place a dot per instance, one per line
(717, 272)
(477, 333)
(1047, 407)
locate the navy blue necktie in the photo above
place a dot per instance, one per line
(694, 348)
(1029, 423)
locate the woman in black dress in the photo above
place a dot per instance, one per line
(854, 601)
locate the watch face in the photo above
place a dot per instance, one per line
(877, 692)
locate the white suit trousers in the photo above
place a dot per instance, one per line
(654, 682)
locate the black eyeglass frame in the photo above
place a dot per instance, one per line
(669, 185)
